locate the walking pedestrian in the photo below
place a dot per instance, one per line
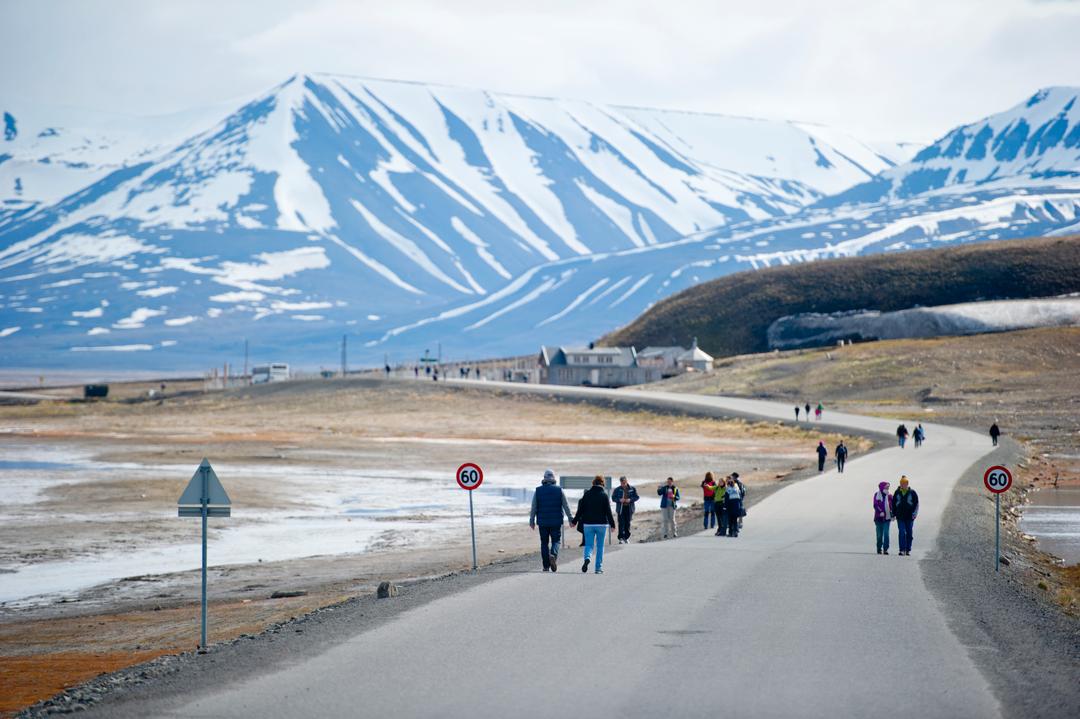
(797, 408)
(625, 497)
(807, 408)
(818, 411)
(841, 456)
(720, 508)
(918, 435)
(733, 505)
(994, 433)
(708, 490)
(416, 372)
(901, 435)
(669, 502)
(594, 512)
(883, 515)
(822, 453)
(548, 507)
(742, 496)
(906, 509)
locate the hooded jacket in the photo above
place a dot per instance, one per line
(548, 504)
(883, 504)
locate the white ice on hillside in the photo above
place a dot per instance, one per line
(959, 319)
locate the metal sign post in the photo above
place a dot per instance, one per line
(997, 479)
(204, 497)
(469, 476)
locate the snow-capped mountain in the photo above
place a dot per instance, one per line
(1038, 139)
(404, 215)
(331, 198)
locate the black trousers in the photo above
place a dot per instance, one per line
(840, 464)
(734, 510)
(820, 463)
(624, 523)
(552, 535)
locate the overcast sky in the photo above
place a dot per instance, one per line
(885, 70)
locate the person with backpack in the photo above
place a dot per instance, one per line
(818, 411)
(841, 456)
(822, 453)
(905, 509)
(548, 507)
(994, 433)
(708, 489)
(624, 497)
(918, 435)
(883, 516)
(901, 435)
(594, 513)
(797, 408)
(669, 502)
(733, 505)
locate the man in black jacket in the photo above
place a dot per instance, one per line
(905, 509)
(594, 513)
(841, 456)
(625, 497)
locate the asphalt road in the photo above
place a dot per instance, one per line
(796, 617)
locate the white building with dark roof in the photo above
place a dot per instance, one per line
(594, 367)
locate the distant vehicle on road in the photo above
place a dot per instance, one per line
(276, 372)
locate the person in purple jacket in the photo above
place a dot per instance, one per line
(883, 515)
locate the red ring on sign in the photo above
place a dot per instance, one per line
(479, 476)
(992, 470)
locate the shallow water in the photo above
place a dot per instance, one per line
(1053, 517)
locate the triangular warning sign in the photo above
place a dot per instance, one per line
(190, 502)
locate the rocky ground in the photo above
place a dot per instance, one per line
(331, 426)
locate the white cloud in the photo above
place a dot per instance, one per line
(882, 69)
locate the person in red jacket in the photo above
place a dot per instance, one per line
(708, 490)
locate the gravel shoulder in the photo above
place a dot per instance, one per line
(1026, 646)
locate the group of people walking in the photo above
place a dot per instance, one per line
(817, 411)
(594, 515)
(840, 454)
(918, 435)
(903, 506)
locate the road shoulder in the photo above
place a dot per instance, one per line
(1027, 648)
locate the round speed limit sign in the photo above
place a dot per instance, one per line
(470, 476)
(998, 479)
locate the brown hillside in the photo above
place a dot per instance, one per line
(730, 315)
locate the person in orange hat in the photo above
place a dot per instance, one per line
(905, 509)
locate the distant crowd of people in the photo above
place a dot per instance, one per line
(722, 505)
(723, 509)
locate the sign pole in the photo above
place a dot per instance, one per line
(205, 503)
(472, 526)
(997, 532)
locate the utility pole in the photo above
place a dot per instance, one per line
(245, 359)
(344, 354)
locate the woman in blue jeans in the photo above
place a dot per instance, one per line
(594, 513)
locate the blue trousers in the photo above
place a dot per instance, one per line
(905, 527)
(554, 535)
(710, 514)
(882, 530)
(594, 535)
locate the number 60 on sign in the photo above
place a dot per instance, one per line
(998, 479)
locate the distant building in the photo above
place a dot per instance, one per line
(276, 372)
(695, 360)
(666, 359)
(594, 367)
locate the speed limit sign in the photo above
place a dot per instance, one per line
(470, 476)
(998, 479)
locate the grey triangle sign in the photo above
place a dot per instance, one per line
(191, 501)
